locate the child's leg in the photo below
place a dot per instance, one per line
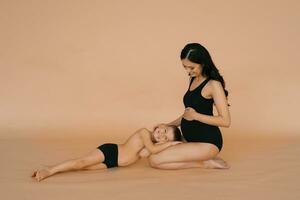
(96, 167)
(91, 158)
(94, 157)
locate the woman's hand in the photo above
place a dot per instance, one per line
(156, 125)
(189, 114)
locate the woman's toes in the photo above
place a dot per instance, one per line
(216, 164)
(222, 164)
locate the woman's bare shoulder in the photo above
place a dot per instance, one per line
(214, 83)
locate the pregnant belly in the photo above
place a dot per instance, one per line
(196, 131)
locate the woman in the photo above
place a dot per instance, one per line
(141, 143)
(198, 125)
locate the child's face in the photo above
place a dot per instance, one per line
(163, 133)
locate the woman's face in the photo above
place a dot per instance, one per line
(193, 69)
(163, 133)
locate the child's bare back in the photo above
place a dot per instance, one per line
(142, 140)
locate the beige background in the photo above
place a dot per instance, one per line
(74, 74)
(83, 67)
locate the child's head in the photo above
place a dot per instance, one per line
(164, 133)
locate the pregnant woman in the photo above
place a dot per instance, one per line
(200, 128)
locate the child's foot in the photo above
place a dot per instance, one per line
(216, 163)
(41, 174)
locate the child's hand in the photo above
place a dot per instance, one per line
(144, 153)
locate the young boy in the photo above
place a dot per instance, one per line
(142, 143)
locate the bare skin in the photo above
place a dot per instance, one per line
(164, 155)
(197, 154)
(140, 144)
(189, 155)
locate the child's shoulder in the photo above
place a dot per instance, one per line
(143, 130)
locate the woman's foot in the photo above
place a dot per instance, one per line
(41, 174)
(216, 163)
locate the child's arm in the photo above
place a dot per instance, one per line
(145, 135)
(144, 153)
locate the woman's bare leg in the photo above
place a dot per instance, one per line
(215, 163)
(94, 157)
(188, 155)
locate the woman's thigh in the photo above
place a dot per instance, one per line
(184, 152)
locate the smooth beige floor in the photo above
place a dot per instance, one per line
(262, 168)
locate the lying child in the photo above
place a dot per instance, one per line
(142, 143)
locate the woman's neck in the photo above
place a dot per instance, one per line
(199, 78)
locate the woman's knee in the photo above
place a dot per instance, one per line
(154, 161)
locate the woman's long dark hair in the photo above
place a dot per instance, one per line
(197, 53)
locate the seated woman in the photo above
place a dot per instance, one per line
(141, 143)
(198, 123)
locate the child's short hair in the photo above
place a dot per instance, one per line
(177, 133)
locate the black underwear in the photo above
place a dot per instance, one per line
(110, 152)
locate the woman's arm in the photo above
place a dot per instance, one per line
(212, 120)
(223, 119)
(176, 122)
(153, 148)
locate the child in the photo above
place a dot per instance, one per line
(142, 143)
